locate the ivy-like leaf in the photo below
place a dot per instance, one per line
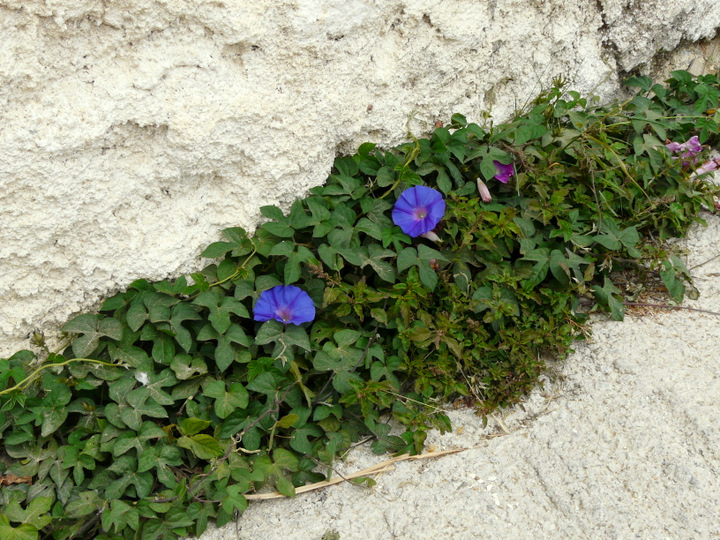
(21, 532)
(239, 244)
(36, 513)
(226, 399)
(90, 329)
(221, 307)
(120, 515)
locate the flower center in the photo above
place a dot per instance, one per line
(284, 313)
(420, 213)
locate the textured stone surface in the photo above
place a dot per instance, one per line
(132, 132)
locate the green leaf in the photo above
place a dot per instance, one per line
(221, 307)
(406, 258)
(130, 439)
(293, 269)
(609, 296)
(672, 280)
(264, 383)
(239, 244)
(346, 166)
(385, 176)
(21, 532)
(372, 256)
(284, 486)
(132, 413)
(136, 314)
(224, 354)
(134, 357)
(52, 420)
(56, 398)
(272, 212)
(86, 503)
(300, 440)
(192, 426)
(119, 516)
(283, 249)
(284, 459)
(234, 501)
(57, 393)
(270, 332)
(154, 389)
(216, 250)
(643, 82)
(186, 367)
(426, 253)
(36, 513)
(541, 257)
(161, 457)
(370, 228)
(90, 329)
(202, 446)
(529, 131)
(287, 421)
(163, 350)
(328, 255)
(226, 401)
(297, 336)
(278, 229)
(180, 313)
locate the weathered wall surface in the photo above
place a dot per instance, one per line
(133, 131)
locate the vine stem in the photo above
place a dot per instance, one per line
(236, 273)
(669, 306)
(411, 155)
(34, 375)
(621, 163)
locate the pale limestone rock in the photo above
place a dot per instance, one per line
(133, 131)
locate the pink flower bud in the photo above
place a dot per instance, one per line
(484, 191)
(430, 235)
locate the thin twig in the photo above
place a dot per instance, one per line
(703, 263)
(375, 469)
(668, 306)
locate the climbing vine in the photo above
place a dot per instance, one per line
(447, 268)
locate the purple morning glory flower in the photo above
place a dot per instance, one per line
(418, 210)
(688, 149)
(284, 303)
(504, 172)
(708, 167)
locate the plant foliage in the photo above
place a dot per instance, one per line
(172, 403)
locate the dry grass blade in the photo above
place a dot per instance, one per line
(375, 469)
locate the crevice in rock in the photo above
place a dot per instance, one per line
(606, 43)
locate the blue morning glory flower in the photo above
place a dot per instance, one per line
(284, 303)
(418, 210)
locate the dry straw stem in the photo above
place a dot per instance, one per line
(375, 469)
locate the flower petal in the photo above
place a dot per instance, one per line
(265, 307)
(504, 172)
(707, 167)
(693, 146)
(284, 303)
(415, 202)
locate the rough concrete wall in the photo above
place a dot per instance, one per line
(132, 131)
